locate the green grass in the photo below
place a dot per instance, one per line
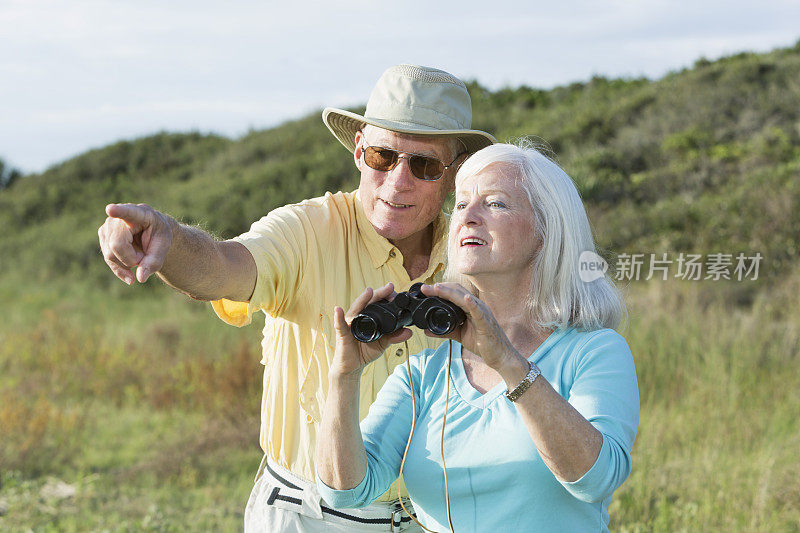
(146, 403)
(148, 406)
(139, 469)
(719, 433)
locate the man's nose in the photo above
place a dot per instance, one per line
(400, 177)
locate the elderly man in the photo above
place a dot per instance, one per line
(301, 260)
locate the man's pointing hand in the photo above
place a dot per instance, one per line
(134, 236)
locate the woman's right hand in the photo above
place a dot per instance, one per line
(351, 356)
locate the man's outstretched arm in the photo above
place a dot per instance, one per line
(186, 258)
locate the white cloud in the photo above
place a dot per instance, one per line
(86, 72)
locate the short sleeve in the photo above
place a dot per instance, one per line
(278, 243)
(606, 393)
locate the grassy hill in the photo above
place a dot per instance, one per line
(703, 159)
(146, 406)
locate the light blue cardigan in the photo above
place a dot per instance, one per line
(497, 480)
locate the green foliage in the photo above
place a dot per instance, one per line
(8, 175)
(659, 163)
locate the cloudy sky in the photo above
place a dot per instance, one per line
(80, 74)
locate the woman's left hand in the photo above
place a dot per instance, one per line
(480, 333)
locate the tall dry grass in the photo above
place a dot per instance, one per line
(718, 441)
(150, 408)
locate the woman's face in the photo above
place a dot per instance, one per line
(492, 230)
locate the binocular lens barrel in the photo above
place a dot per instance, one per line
(365, 328)
(440, 321)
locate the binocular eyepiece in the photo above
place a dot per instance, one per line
(408, 308)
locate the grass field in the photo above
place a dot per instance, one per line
(133, 411)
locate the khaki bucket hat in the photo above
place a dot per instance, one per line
(414, 100)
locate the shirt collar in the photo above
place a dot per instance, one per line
(381, 250)
(439, 251)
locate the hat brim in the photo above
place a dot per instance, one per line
(344, 125)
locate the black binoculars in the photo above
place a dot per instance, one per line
(408, 308)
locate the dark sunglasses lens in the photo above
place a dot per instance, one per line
(380, 158)
(426, 168)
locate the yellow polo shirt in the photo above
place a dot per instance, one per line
(311, 257)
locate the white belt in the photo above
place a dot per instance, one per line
(304, 495)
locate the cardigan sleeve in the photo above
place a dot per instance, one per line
(385, 431)
(606, 393)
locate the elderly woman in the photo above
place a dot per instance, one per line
(535, 431)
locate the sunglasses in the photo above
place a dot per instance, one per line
(422, 166)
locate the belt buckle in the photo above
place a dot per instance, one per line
(397, 518)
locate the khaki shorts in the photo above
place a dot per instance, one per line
(282, 502)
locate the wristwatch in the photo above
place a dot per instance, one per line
(529, 378)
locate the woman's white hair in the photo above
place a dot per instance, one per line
(558, 297)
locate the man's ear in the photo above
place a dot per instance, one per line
(451, 173)
(357, 151)
(461, 158)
